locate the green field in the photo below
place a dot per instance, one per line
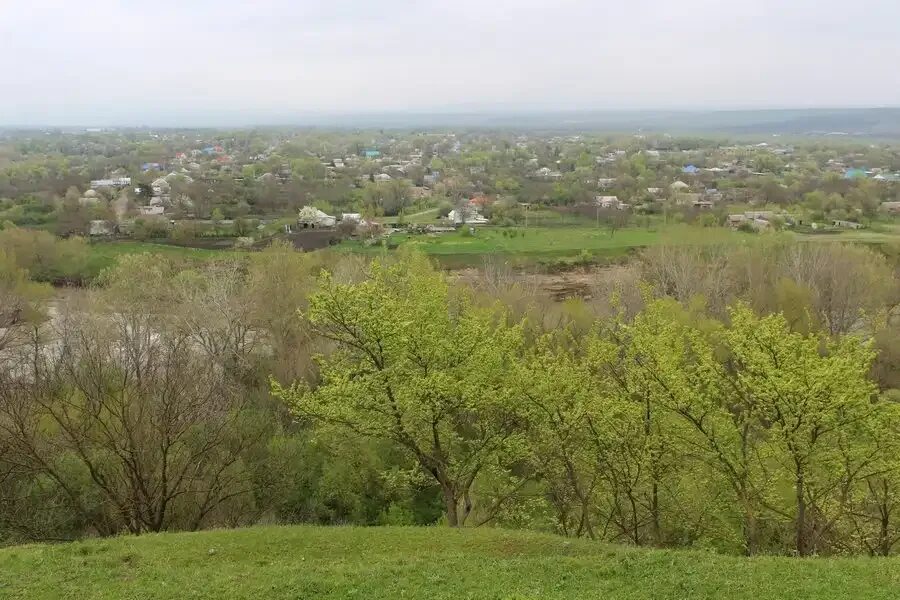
(537, 244)
(519, 245)
(104, 254)
(429, 563)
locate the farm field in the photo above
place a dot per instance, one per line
(534, 245)
(104, 254)
(545, 243)
(407, 562)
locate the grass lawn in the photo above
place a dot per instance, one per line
(429, 563)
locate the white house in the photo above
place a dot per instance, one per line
(311, 217)
(468, 214)
(604, 183)
(114, 182)
(151, 211)
(610, 202)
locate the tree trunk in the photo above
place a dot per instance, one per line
(802, 550)
(884, 533)
(451, 507)
(750, 541)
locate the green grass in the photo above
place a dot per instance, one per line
(423, 217)
(430, 563)
(103, 255)
(547, 243)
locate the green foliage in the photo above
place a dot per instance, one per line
(45, 257)
(419, 367)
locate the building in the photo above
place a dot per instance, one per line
(892, 208)
(114, 182)
(311, 217)
(605, 183)
(547, 173)
(468, 214)
(846, 224)
(610, 202)
(90, 198)
(101, 228)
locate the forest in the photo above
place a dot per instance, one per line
(740, 397)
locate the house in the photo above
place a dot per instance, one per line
(151, 211)
(610, 202)
(114, 182)
(656, 192)
(687, 198)
(382, 177)
(712, 195)
(854, 174)
(101, 228)
(161, 190)
(690, 170)
(90, 198)
(151, 166)
(338, 163)
(546, 173)
(892, 208)
(311, 217)
(605, 183)
(355, 217)
(702, 204)
(679, 186)
(736, 220)
(846, 224)
(371, 154)
(468, 214)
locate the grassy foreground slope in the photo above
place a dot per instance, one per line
(318, 562)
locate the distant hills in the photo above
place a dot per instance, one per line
(881, 123)
(869, 122)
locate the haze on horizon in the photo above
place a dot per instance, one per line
(109, 62)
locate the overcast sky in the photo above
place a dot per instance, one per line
(260, 61)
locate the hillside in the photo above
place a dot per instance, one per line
(319, 562)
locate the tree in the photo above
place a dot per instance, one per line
(810, 390)
(21, 303)
(420, 367)
(124, 421)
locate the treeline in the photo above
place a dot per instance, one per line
(741, 399)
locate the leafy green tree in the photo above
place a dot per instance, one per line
(418, 366)
(812, 391)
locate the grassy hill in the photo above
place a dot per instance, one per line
(319, 562)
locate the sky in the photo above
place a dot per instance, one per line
(204, 62)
